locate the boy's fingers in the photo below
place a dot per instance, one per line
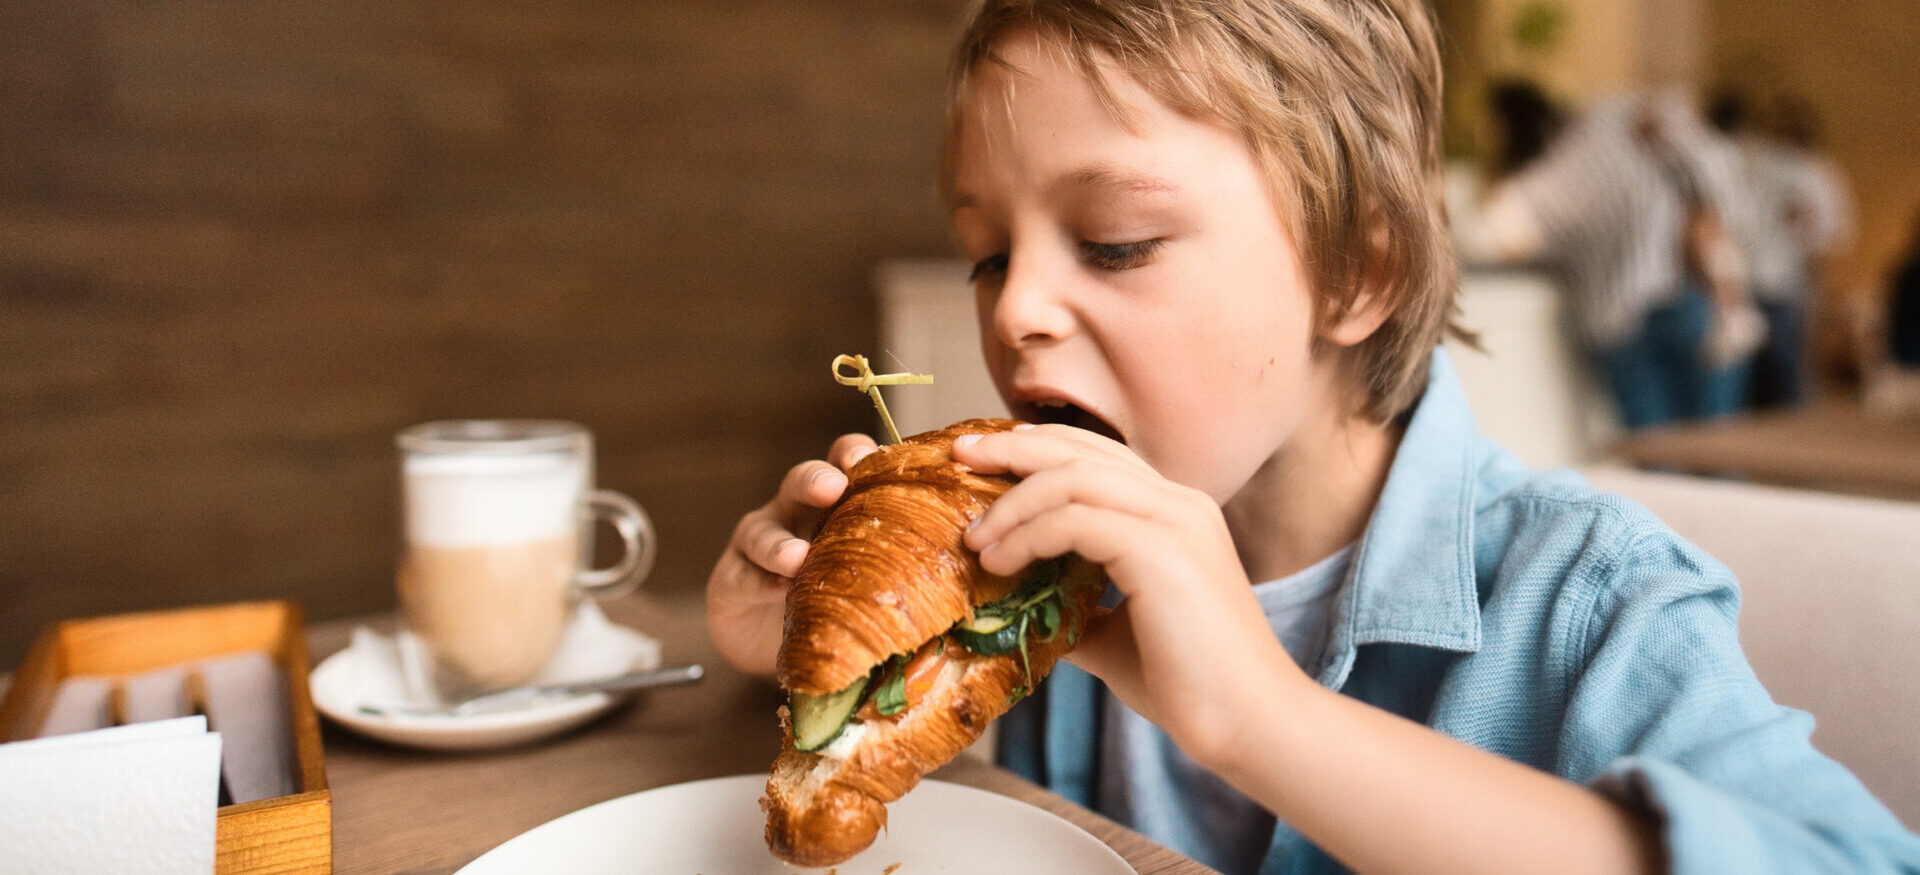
(1099, 535)
(1025, 451)
(743, 584)
(1096, 484)
(769, 544)
(850, 448)
(1072, 434)
(814, 484)
(786, 557)
(771, 537)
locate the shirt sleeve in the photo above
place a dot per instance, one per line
(1689, 737)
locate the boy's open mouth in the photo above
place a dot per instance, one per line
(1066, 413)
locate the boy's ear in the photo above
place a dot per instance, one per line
(1359, 320)
(1369, 308)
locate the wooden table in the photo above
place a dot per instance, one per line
(1833, 446)
(404, 811)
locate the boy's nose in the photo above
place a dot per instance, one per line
(1030, 306)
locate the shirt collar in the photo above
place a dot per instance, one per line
(1412, 579)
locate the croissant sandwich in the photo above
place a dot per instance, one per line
(899, 648)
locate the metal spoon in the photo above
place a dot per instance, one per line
(508, 700)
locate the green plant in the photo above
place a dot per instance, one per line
(1538, 26)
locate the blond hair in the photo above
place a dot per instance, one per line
(1339, 101)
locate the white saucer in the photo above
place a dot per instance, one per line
(716, 826)
(336, 695)
(378, 669)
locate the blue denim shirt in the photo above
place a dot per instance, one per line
(1565, 628)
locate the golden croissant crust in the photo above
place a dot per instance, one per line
(822, 810)
(887, 573)
(887, 570)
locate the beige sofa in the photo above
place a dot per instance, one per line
(1830, 609)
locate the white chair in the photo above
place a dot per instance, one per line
(1830, 609)
(1529, 388)
(927, 326)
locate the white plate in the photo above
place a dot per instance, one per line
(335, 695)
(715, 827)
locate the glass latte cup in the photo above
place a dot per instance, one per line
(498, 518)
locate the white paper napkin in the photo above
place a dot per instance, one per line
(392, 669)
(134, 798)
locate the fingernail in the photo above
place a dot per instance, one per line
(824, 474)
(859, 454)
(1025, 426)
(966, 440)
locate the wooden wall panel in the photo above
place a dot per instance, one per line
(1852, 61)
(242, 245)
(1855, 63)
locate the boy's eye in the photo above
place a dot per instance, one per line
(992, 265)
(1118, 256)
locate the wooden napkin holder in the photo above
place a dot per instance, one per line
(290, 834)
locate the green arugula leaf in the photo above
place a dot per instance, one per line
(1038, 607)
(891, 697)
(1025, 666)
(1047, 620)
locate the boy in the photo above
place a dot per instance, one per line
(1210, 258)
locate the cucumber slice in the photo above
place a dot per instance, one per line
(818, 720)
(982, 624)
(989, 636)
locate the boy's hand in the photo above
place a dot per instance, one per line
(1190, 644)
(747, 592)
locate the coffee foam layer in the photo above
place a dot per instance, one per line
(466, 501)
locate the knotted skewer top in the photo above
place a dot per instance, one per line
(869, 382)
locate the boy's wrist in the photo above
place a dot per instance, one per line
(1283, 708)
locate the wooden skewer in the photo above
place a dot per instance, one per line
(869, 382)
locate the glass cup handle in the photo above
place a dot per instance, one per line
(636, 534)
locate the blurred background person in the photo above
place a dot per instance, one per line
(1823, 212)
(1768, 224)
(1889, 341)
(1903, 305)
(1823, 209)
(1625, 207)
(1525, 121)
